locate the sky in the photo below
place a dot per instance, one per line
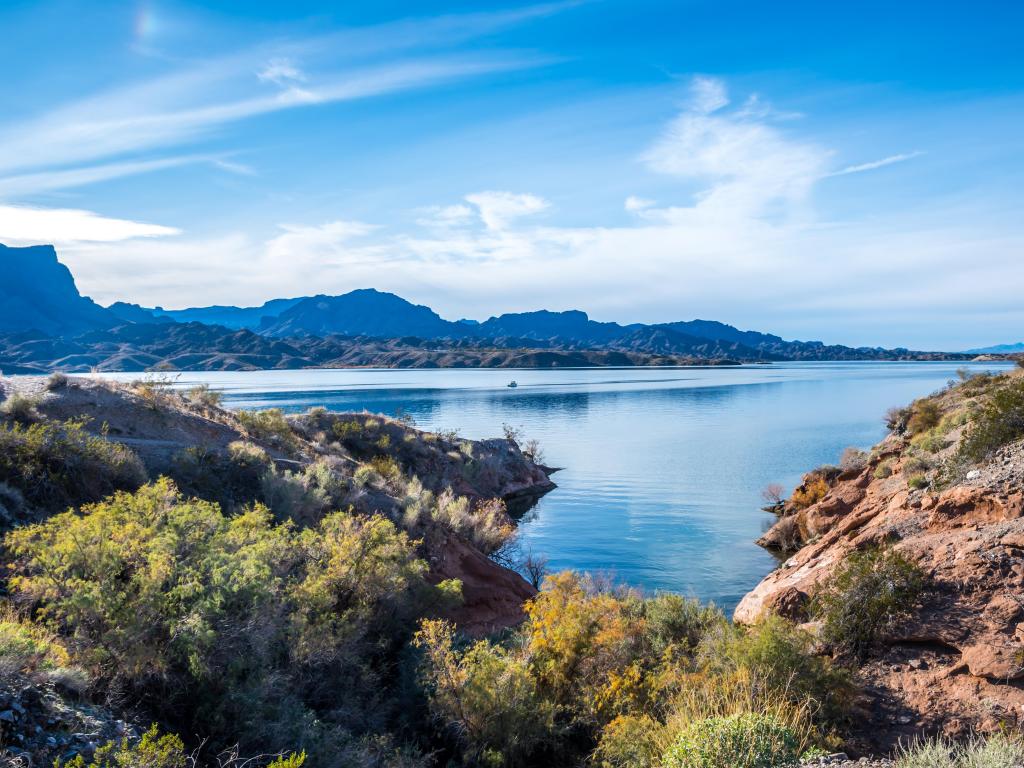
(849, 172)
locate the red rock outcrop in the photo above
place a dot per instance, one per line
(958, 665)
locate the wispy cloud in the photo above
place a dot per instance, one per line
(281, 71)
(67, 226)
(891, 160)
(122, 127)
(499, 209)
(747, 164)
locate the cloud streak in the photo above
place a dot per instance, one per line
(891, 160)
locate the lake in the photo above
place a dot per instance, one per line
(662, 468)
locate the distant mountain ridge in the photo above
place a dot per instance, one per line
(999, 349)
(38, 292)
(46, 322)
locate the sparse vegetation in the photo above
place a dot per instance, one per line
(924, 415)
(998, 751)
(811, 491)
(773, 496)
(853, 459)
(270, 425)
(1000, 421)
(203, 395)
(57, 381)
(20, 408)
(52, 465)
(868, 594)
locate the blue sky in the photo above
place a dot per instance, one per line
(842, 171)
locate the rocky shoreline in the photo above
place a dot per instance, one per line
(957, 667)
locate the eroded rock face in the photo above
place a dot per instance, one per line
(958, 666)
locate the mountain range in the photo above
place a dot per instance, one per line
(999, 349)
(45, 323)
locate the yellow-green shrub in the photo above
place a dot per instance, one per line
(57, 464)
(166, 596)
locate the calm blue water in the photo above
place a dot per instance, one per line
(663, 468)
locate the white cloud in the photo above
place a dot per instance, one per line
(876, 163)
(22, 225)
(634, 203)
(281, 71)
(499, 209)
(707, 95)
(445, 216)
(748, 165)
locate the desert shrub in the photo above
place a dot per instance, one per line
(346, 430)
(486, 525)
(781, 656)
(163, 597)
(203, 395)
(293, 496)
(606, 672)
(811, 491)
(20, 408)
(1000, 421)
(998, 751)
(932, 441)
(918, 463)
(869, 592)
(917, 482)
(924, 415)
(486, 695)
(896, 419)
(56, 464)
(270, 425)
(883, 470)
(739, 741)
(386, 467)
(156, 750)
(853, 459)
(56, 381)
(365, 475)
(630, 741)
(230, 478)
(154, 391)
(153, 750)
(27, 649)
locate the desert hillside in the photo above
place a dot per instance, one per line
(945, 490)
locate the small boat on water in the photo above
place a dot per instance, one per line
(512, 384)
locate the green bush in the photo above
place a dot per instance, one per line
(156, 750)
(232, 627)
(486, 695)
(867, 594)
(924, 415)
(629, 742)
(270, 425)
(781, 657)
(917, 482)
(54, 465)
(1000, 421)
(738, 741)
(232, 478)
